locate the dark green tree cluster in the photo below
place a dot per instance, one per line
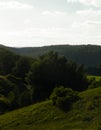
(64, 97)
(7, 61)
(13, 89)
(51, 70)
(95, 70)
(25, 80)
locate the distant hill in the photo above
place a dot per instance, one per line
(84, 115)
(90, 55)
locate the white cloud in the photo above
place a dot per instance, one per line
(36, 36)
(95, 23)
(14, 5)
(27, 21)
(53, 13)
(86, 24)
(89, 15)
(72, 1)
(80, 24)
(48, 36)
(89, 12)
(95, 3)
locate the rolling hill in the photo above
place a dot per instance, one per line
(84, 115)
(90, 55)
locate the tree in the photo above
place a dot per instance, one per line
(7, 61)
(79, 80)
(5, 85)
(22, 67)
(25, 99)
(52, 70)
(4, 104)
(64, 97)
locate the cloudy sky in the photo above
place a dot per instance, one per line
(49, 22)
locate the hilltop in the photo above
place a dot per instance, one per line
(84, 115)
(89, 55)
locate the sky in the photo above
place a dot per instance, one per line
(49, 22)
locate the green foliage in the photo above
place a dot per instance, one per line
(94, 77)
(5, 85)
(25, 99)
(51, 70)
(18, 83)
(4, 104)
(14, 91)
(7, 61)
(95, 70)
(89, 55)
(13, 70)
(64, 97)
(22, 67)
(45, 116)
(94, 81)
(27, 81)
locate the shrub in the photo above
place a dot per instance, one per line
(64, 97)
(4, 104)
(25, 99)
(94, 84)
(5, 85)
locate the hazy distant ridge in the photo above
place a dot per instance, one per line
(90, 55)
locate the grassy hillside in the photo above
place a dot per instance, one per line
(84, 115)
(97, 78)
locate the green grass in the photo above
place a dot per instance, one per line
(84, 115)
(97, 78)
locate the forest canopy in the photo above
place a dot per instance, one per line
(24, 80)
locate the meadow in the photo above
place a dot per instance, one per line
(84, 115)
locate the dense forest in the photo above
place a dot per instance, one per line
(25, 80)
(89, 55)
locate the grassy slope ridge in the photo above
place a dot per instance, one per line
(98, 78)
(83, 54)
(84, 115)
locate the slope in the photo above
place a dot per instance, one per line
(82, 54)
(90, 55)
(84, 115)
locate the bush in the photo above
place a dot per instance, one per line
(93, 83)
(25, 99)
(4, 104)
(64, 97)
(5, 85)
